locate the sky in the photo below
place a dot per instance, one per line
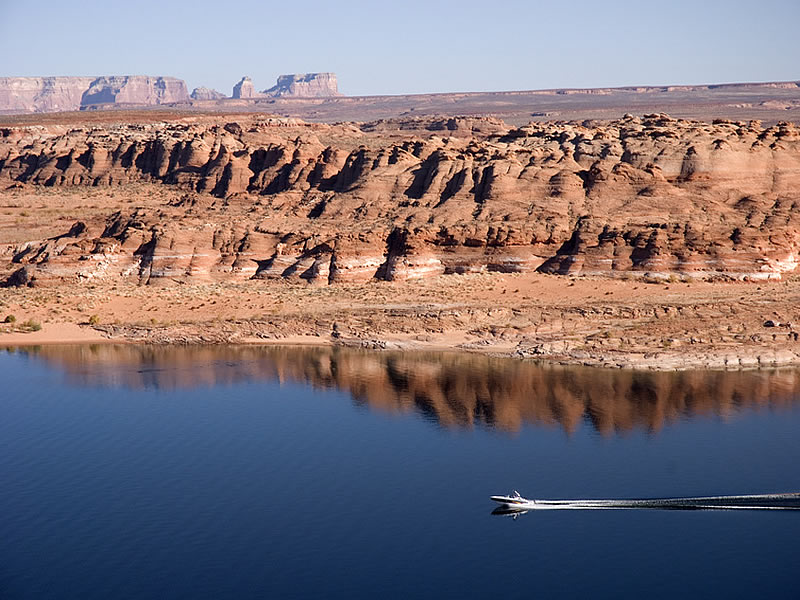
(413, 46)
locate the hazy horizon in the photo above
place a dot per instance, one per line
(432, 47)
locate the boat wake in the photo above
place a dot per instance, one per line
(516, 504)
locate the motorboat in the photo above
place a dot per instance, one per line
(514, 501)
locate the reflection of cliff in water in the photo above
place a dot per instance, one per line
(453, 389)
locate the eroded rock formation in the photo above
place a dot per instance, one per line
(277, 198)
(244, 88)
(51, 94)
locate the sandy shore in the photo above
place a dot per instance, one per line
(675, 325)
(54, 333)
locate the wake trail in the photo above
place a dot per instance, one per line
(789, 501)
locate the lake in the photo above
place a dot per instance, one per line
(244, 472)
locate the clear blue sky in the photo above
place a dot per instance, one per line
(408, 47)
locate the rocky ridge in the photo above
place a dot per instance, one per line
(271, 198)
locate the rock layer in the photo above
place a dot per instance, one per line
(276, 198)
(51, 94)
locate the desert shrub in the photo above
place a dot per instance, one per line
(32, 325)
(94, 320)
(10, 319)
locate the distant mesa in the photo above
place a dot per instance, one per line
(51, 94)
(298, 85)
(204, 93)
(305, 85)
(135, 89)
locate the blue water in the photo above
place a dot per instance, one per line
(136, 473)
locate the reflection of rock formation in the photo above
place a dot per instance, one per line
(454, 390)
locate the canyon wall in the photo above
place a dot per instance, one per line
(55, 94)
(276, 198)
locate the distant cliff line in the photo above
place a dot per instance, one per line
(61, 94)
(57, 94)
(19, 95)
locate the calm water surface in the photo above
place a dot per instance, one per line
(297, 473)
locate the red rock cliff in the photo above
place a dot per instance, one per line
(277, 198)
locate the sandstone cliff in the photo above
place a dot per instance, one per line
(276, 198)
(51, 94)
(304, 85)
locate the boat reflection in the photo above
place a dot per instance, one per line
(514, 513)
(450, 389)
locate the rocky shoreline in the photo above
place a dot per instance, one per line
(579, 321)
(550, 353)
